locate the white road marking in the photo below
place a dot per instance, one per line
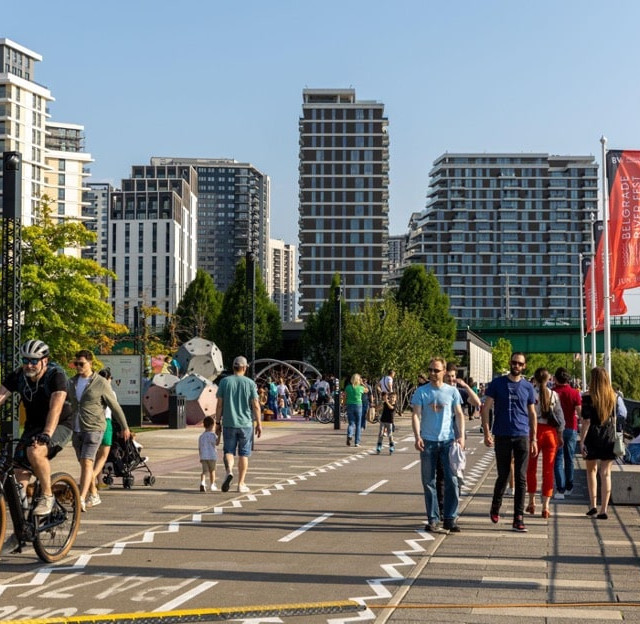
(305, 528)
(375, 486)
(176, 602)
(411, 465)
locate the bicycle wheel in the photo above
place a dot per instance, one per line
(56, 533)
(324, 414)
(3, 519)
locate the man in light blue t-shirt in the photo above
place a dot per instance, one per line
(237, 408)
(438, 423)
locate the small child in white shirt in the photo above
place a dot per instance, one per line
(208, 454)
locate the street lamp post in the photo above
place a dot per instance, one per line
(10, 282)
(338, 315)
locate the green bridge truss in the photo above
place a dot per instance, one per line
(555, 335)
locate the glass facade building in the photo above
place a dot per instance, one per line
(503, 233)
(344, 197)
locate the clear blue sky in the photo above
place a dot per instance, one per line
(224, 79)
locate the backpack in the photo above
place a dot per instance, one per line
(322, 391)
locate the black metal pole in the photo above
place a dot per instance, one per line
(10, 281)
(338, 314)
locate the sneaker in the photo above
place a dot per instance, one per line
(434, 527)
(568, 492)
(508, 492)
(227, 482)
(451, 526)
(93, 500)
(391, 449)
(202, 488)
(356, 445)
(44, 506)
(348, 441)
(243, 489)
(83, 505)
(378, 448)
(494, 514)
(11, 546)
(213, 487)
(102, 486)
(518, 525)
(558, 496)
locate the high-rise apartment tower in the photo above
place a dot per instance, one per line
(343, 197)
(503, 233)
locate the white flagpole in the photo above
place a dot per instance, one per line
(583, 364)
(606, 298)
(592, 303)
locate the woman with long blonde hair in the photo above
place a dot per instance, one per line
(597, 438)
(354, 391)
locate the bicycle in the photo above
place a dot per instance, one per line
(52, 536)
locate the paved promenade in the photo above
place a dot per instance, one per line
(569, 568)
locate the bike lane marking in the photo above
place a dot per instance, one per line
(374, 487)
(305, 528)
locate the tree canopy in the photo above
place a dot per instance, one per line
(232, 325)
(199, 309)
(64, 297)
(419, 292)
(319, 340)
(501, 354)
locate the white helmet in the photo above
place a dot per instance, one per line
(34, 349)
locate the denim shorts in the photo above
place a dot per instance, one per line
(237, 438)
(86, 443)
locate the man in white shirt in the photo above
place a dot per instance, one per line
(386, 383)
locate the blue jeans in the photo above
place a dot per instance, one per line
(363, 417)
(354, 416)
(428, 462)
(563, 468)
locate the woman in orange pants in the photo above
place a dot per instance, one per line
(549, 437)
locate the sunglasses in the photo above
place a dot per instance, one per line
(79, 363)
(516, 363)
(32, 361)
(435, 370)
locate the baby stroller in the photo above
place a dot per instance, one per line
(124, 458)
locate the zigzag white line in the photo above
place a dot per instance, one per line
(377, 584)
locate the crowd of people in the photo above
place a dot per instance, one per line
(524, 420)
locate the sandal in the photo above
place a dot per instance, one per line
(546, 513)
(531, 508)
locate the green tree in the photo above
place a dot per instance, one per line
(501, 354)
(625, 372)
(231, 326)
(551, 361)
(382, 337)
(419, 292)
(319, 339)
(199, 309)
(64, 297)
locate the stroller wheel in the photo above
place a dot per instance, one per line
(108, 480)
(127, 482)
(150, 480)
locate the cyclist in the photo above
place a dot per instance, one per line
(48, 426)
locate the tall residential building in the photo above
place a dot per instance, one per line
(282, 275)
(397, 252)
(95, 210)
(503, 233)
(344, 197)
(233, 215)
(152, 240)
(23, 114)
(67, 167)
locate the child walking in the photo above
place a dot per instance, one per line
(208, 454)
(386, 420)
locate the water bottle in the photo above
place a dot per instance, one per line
(24, 501)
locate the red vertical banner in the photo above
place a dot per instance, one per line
(623, 187)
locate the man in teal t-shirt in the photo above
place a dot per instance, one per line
(237, 408)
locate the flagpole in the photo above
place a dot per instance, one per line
(605, 269)
(594, 332)
(583, 364)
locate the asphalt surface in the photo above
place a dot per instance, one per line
(326, 523)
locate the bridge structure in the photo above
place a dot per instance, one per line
(559, 335)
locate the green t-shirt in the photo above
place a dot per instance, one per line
(237, 392)
(354, 394)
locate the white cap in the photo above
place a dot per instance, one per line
(240, 362)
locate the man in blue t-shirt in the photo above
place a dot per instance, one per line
(513, 436)
(435, 405)
(237, 410)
